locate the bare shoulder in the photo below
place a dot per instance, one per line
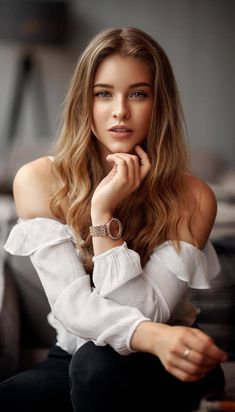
(204, 195)
(33, 187)
(202, 210)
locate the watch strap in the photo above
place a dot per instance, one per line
(105, 230)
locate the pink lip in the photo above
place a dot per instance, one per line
(120, 131)
(120, 128)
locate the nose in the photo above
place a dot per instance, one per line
(121, 111)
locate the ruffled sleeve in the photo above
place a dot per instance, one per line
(78, 308)
(124, 295)
(157, 288)
(27, 235)
(192, 265)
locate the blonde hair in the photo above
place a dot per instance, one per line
(151, 214)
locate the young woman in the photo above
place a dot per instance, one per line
(117, 229)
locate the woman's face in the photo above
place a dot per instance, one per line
(122, 103)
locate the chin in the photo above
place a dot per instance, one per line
(122, 149)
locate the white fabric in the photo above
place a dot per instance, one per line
(124, 295)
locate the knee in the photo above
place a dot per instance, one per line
(92, 365)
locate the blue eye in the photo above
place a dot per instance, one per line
(138, 95)
(103, 94)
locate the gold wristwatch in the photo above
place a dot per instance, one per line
(112, 229)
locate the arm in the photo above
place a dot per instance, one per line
(119, 326)
(78, 307)
(85, 313)
(160, 283)
(167, 342)
(138, 292)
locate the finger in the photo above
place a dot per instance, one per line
(191, 364)
(189, 360)
(205, 347)
(199, 360)
(144, 161)
(132, 167)
(184, 375)
(120, 166)
(137, 170)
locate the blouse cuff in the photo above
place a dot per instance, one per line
(114, 268)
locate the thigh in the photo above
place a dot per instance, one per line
(103, 380)
(37, 389)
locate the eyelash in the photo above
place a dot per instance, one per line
(141, 95)
(103, 94)
(107, 95)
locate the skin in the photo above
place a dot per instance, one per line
(123, 97)
(125, 101)
(126, 165)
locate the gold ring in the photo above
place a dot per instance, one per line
(186, 353)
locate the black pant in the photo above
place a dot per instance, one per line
(99, 379)
(40, 389)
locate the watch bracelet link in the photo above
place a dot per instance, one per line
(104, 230)
(98, 231)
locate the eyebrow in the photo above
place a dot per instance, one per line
(132, 86)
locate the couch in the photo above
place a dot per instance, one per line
(25, 335)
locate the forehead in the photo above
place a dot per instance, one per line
(117, 68)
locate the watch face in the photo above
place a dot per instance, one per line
(115, 228)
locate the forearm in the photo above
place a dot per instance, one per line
(87, 315)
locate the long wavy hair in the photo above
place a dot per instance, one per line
(151, 214)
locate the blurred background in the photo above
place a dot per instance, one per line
(40, 42)
(39, 45)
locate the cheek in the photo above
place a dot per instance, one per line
(145, 117)
(99, 118)
(95, 118)
(99, 111)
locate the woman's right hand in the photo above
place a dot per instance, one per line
(126, 175)
(185, 352)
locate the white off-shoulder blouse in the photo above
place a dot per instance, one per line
(124, 293)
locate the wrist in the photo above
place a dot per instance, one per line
(98, 218)
(147, 337)
(111, 229)
(142, 338)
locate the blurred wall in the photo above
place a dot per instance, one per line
(199, 38)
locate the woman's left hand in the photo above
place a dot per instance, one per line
(185, 352)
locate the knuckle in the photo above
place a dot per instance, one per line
(194, 369)
(167, 359)
(136, 159)
(173, 348)
(168, 366)
(200, 359)
(181, 336)
(185, 377)
(131, 160)
(207, 339)
(206, 345)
